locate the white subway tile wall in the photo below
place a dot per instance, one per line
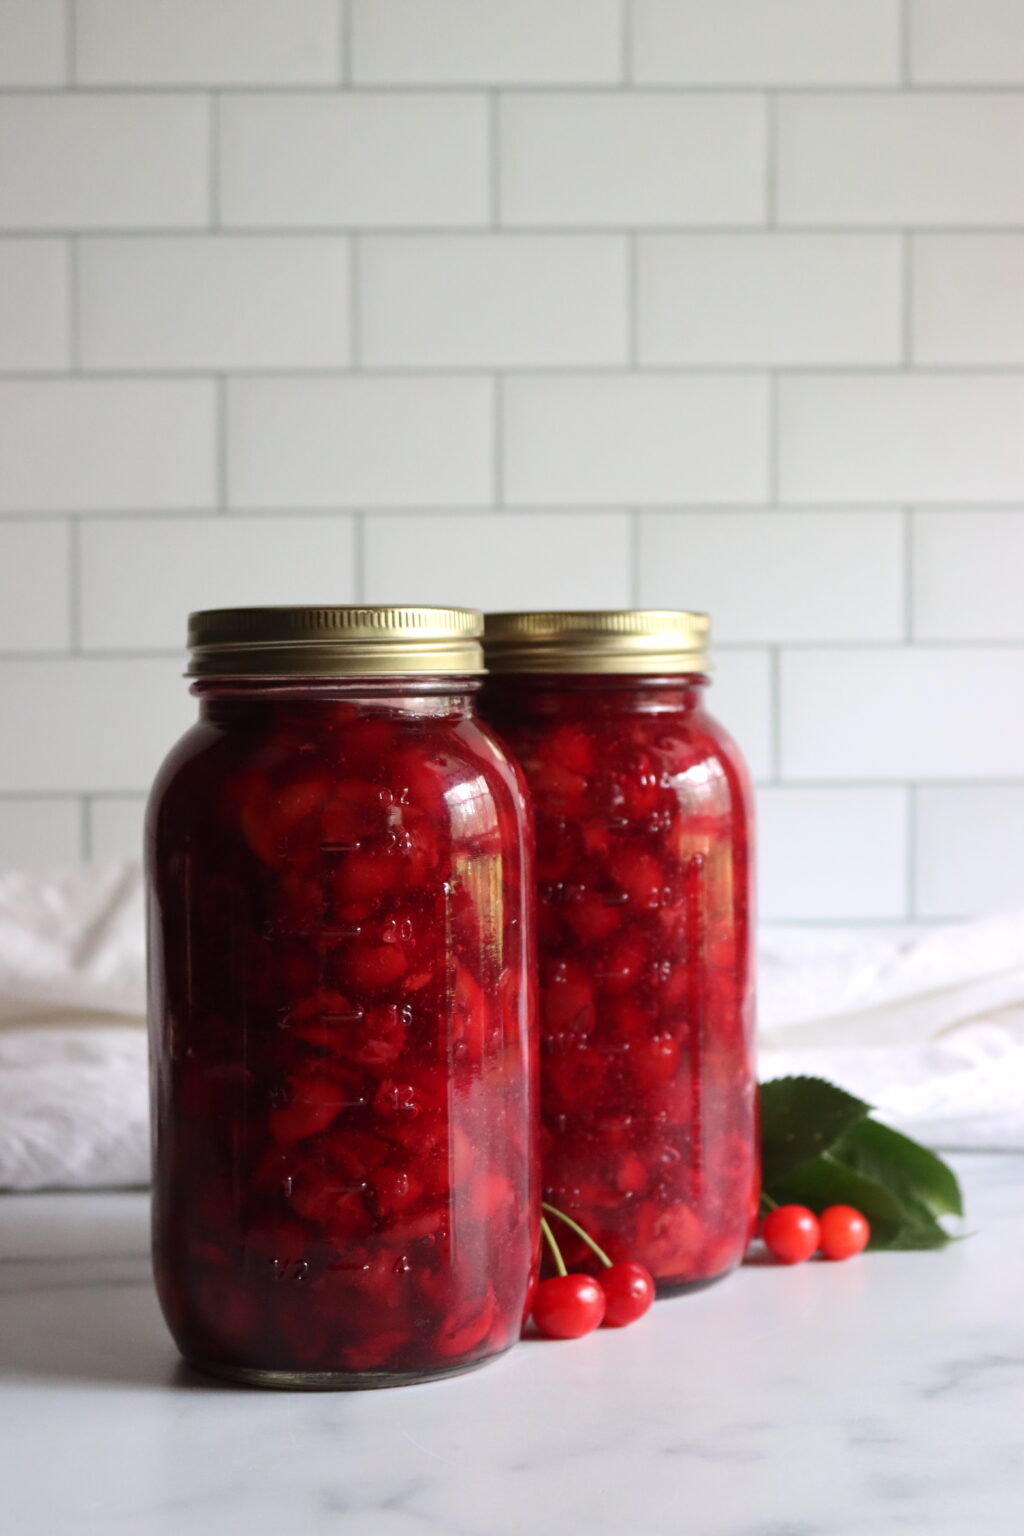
(494, 301)
(901, 158)
(632, 158)
(35, 307)
(967, 576)
(749, 42)
(41, 834)
(33, 42)
(213, 301)
(80, 160)
(775, 300)
(354, 442)
(194, 42)
(113, 827)
(584, 440)
(857, 836)
(79, 444)
(750, 570)
(970, 842)
(550, 302)
(968, 299)
(967, 42)
(35, 585)
(338, 160)
(132, 572)
(500, 561)
(492, 42)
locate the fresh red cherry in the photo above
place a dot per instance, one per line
(629, 1293)
(844, 1232)
(568, 1306)
(791, 1233)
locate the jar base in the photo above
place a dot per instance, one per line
(332, 1381)
(665, 1289)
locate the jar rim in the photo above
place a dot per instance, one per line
(623, 640)
(349, 640)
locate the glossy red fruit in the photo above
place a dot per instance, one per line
(628, 1291)
(844, 1232)
(791, 1233)
(568, 1306)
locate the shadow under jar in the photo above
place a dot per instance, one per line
(643, 811)
(341, 998)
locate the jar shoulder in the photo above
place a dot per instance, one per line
(436, 763)
(608, 739)
(722, 748)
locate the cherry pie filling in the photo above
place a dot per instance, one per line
(341, 1009)
(643, 867)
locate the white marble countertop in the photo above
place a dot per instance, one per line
(883, 1395)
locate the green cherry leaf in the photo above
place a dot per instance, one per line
(920, 1180)
(801, 1117)
(918, 1232)
(824, 1181)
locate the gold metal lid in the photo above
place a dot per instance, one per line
(654, 640)
(334, 642)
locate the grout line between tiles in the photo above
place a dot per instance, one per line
(498, 444)
(74, 586)
(771, 159)
(911, 851)
(70, 44)
(632, 299)
(344, 42)
(908, 574)
(907, 299)
(553, 507)
(905, 81)
(359, 557)
(773, 438)
(749, 228)
(213, 151)
(221, 443)
(546, 371)
(494, 159)
(355, 315)
(74, 298)
(527, 88)
(635, 540)
(775, 664)
(876, 923)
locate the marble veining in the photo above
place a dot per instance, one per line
(882, 1396)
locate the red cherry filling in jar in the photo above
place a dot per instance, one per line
(341, 1009)
(643, 816)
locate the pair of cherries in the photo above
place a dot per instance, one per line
(792, 1233)
(567, 1306)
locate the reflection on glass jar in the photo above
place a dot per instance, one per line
(644, 868)
(341, 1006)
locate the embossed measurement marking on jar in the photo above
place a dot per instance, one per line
(295, 1270)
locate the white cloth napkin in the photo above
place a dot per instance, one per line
(928, 1028)
(73, 1074)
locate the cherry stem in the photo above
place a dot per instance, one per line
(767, 1200)
(605, 1260)
(556, 1252)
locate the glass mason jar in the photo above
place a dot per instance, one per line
(644, 865)
(339, 865)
